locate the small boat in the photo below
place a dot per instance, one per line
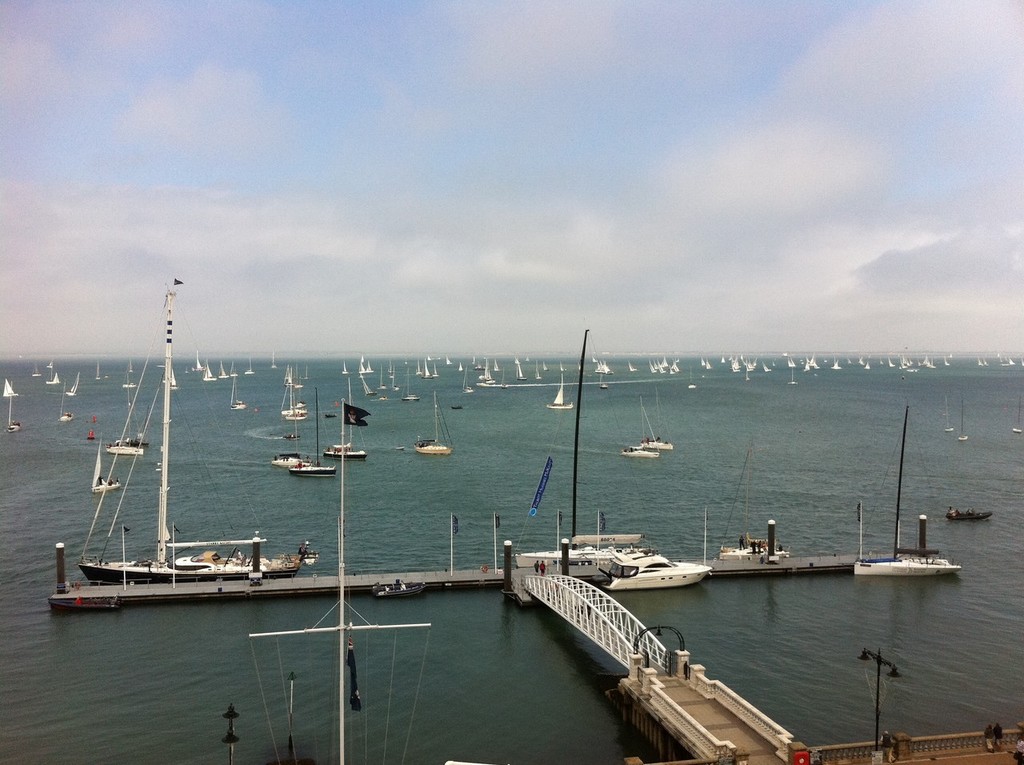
(130, 446)
(86, 604)
(639, 451)
(344, 452)
(399, 589)
(286, 460)
(968, 515)
(642, 571)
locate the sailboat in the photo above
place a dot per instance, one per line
(55, 380)
(915, 561)
(314, 469)
(73, 390)
(249, 370)
(65, 415)
(1017, 429)
(949, 428)
(749, 548)
(962, 436)
(652, 443)
(100, 484)
(206, 566)
(588, 551)
(559, 402)
(12, 425)
(409, 395)
(235, 403)
(344, 450)
(296, 410)
(434, 446)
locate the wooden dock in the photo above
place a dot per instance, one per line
(302, 585)
(831, 563)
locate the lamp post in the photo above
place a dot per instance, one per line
(230, 739)
(866, 655)
(657, 631)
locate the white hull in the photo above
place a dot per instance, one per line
(638, 571)
(905, 567)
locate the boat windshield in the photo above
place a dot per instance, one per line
(624, 572)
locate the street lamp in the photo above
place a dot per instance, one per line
(866, 655)
(230, 739)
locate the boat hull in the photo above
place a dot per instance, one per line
(152, 572)
(905, 567)
(659, 581)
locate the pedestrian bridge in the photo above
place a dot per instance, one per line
(664, 694)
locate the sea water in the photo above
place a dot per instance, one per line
(488, 681)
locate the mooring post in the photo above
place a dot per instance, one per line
(771, 540)
(62, 583)
(256, 555)
(565, 557)
(506, 585)
(922, 531)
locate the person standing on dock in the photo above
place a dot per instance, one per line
(997, 736)
(989, 736)
(543, 568)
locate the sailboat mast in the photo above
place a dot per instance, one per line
(576, 436)
(899, 484)
(161, 529)
(342, 632)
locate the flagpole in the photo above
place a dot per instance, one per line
(341, 603)
(494, 530)
(451, 545)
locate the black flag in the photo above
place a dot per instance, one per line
(177, 282)
(353, 698)
(354, 416)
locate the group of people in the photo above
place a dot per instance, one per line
(540, 568)
(994, 737)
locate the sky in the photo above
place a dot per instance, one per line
(328, 178)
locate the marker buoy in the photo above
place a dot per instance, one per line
(91, 436)
(484, 568)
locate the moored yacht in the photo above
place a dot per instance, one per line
(641, 571)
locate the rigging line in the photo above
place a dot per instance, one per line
(416, 695)
(263, 696)
(391, 693)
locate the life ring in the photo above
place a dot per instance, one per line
(484, 568)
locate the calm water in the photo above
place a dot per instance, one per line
(488, 681)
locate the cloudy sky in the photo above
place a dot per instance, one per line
(482, 177)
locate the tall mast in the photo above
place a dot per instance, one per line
(576, 437)
(899, 484)
(161, 528)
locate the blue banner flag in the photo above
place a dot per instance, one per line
(601, 523)
(497, 521)
(540, 488)
(455, 525)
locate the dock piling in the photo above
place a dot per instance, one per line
(62, 580)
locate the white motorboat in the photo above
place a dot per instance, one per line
(642, 571)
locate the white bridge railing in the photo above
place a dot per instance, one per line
(599, 617)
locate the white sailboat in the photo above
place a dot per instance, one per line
(559, 402)
(314, 468)
(652, 442)
(352, 417)
(963, 435)
(55, 380)
(435, 446)
(65, 415)
(235, 403)
(949, 428)
(73, 390)
(1016, 428)
(249, 370)
(12, 425)
(206, 566)
(915, 561)
(99, 483)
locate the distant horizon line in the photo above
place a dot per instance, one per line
(852, 356)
